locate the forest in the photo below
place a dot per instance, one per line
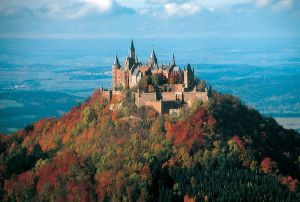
(221, 150)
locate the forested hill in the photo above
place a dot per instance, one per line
(100, 151)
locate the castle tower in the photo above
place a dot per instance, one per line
(189, 77)
(153, 59)
(132, 50)
(115, 71)
(130, 61)
(173, 62)
(116, 63)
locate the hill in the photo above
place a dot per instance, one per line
(215, 151)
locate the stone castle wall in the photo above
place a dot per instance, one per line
(113, 96)
(190, 97)
(169, 100)
(177, 87)
(157, 105)
(142, 98)
(168, 96)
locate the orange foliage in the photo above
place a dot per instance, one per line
(78, 191)
(105, 181)
(51, 174)
(267, 165)
(192, 130)
(237, 140)
(145, 172)
(20, 186)
(188, 199)
(169, 163)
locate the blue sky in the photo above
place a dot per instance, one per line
(150, 18)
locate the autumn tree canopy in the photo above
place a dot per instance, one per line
(214, 151)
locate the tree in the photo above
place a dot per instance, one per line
(268, 166)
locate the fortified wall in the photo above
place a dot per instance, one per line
(169, 100)
(113, 96)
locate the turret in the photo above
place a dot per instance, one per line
(132, 50)
(153, 59)
(189, 77)
(173, 62)
(116, 63)
(131, 59)
(115, 70)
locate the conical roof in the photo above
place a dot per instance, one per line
(153, 56)
(132, 45)
(116, 62)
(174, 63)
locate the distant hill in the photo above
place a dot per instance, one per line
(221, 150)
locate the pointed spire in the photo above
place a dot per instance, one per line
(132, 50)
(174, 62)
(153, 56)
(153, 59)
(116, 62)
(132, 46)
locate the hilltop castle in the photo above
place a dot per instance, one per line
(165, 87)
(132, 72)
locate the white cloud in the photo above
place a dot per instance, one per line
(282, 5)
(262, 3)
(183, 9)
(102, 5)
(76, 9)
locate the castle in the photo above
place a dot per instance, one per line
(165, 87)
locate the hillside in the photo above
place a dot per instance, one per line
(215, 151)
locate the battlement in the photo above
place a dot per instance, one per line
(113, 96)
(169, 101)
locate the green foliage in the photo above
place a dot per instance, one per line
(88, 115)
(216, 151)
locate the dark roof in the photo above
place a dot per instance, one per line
(132, 46)
(153, 56)
(116, 62)
(163, 67)
(174, 63)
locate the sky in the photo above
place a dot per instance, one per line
(68, 19)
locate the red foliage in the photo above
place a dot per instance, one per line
(145, 172)
(188, 199)
(290, 182)
(105, 182)
(48, 174)
(69, 120)
(192, 130)
(21, 186)
(241, 145)
(78, 191)
(267, 165)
